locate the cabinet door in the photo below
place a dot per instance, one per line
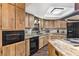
(9, 50)
(41, 24)
(46, 24)
(27, 21)
(40, 42)
(0, 51)
(20, 48)
(8, 17)
(27, 47)
(51, 50)
(45, 41)
(0, 16)
(20, 19)
(21, 5)
(63, 24)
(31, 21)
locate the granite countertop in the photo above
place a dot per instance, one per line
(34, 35)
(42, 34)
(64, 47)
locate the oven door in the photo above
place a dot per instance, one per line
(34, 45)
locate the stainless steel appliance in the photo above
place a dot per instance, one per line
(73, 30)
(34, 44)
(9, 37)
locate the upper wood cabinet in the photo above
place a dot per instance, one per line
(63, 24)
(27, 25)
(8, 17)
(55, 24)
(49, 24)
(41, 24)
(21, 5)
(20, 48)
(31, 20)
(8, 50)
(46, 24)
(0, 16)
(20, 19)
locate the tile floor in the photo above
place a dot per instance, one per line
(42, 52)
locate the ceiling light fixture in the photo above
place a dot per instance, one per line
(57, 11)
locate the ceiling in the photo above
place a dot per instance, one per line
(43, 10)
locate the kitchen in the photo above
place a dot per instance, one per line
(25, 29)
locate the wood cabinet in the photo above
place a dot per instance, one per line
(27, 47)
(20, 19)
(51, 50)
(0, 51)
(8, 16)
(0, 16)
(27, 25)
(55, 24)
(63, 24)
(46, 24)
(45, 41)
(31, 21)
(9, 50)
(20, 48)
(41, 24)
(21, 5)
(41, 42)
(49, 24)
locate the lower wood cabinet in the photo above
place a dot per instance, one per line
(51, 50)
(27, 47)
(45, 41)
(40, 42)
(20, 48)
(8, 50)
(0, 51)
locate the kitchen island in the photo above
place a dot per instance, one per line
(62, 48)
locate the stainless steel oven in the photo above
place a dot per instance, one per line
(9, 37)
(34, 44)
